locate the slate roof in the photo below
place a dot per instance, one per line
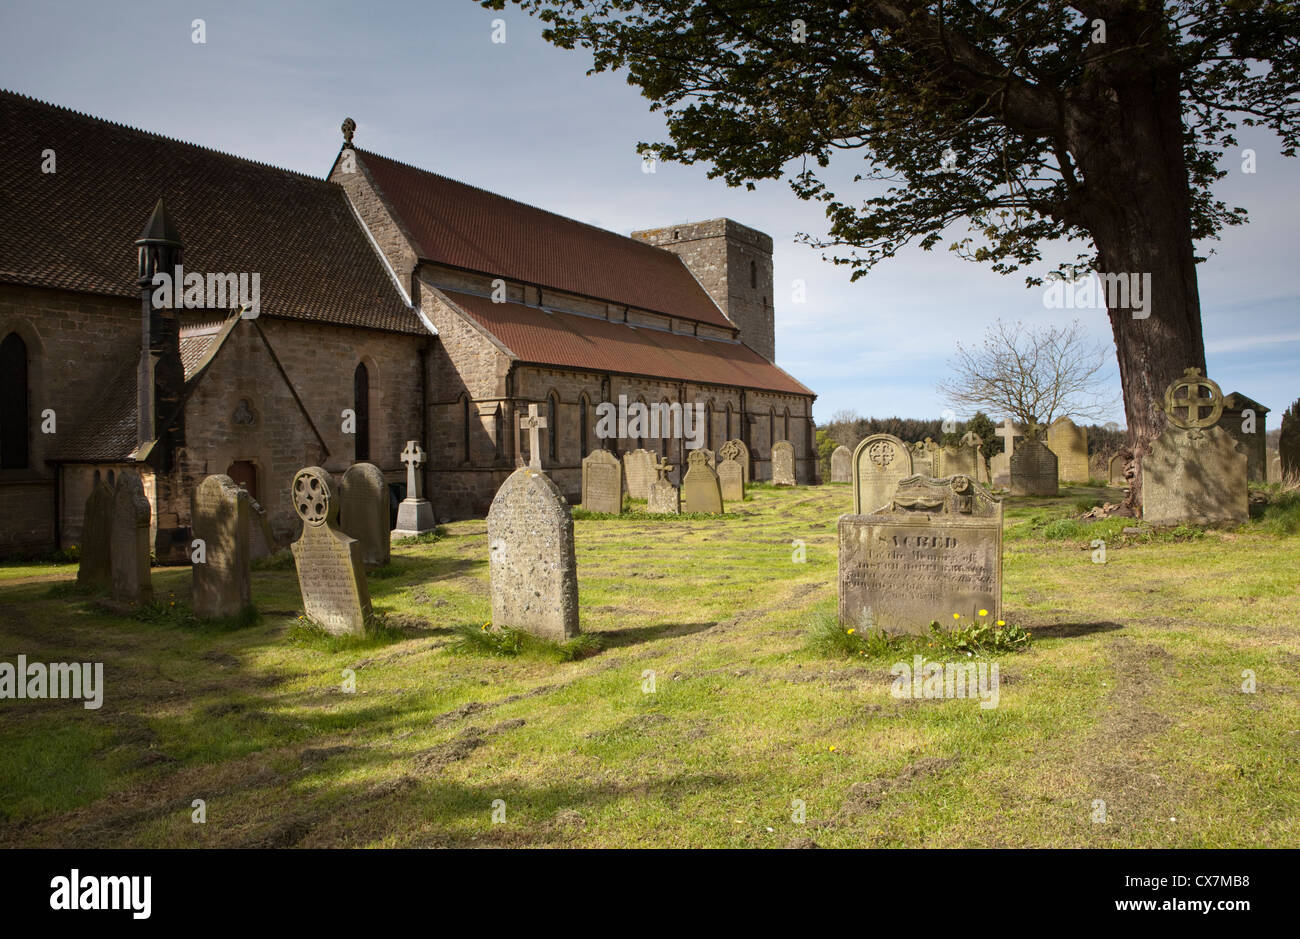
(108, 432)
(465, 227)
(568, 340)
(75, 228)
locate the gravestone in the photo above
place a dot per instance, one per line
(975, 443)
(331, 574)
(731, 479)
(129, 541)
(961, 460)
(1244, 419)
(735, 449)
(602, 483)
(531, 561)
(933, 550)
(414, 513)
(220, 516)
(1274, 466)
(842, 465)
(922, 459)
(1195, 471)
(1069, 442)
(700, 489)
(533, 423)
(1000, 464)
(665, 498)
(363, 512)
(783, 463)
(1034, 469)
(879, 462)
(713, 458)
(638, 470)
(1115, 470)
(95, 571)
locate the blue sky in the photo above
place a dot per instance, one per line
(426, 85)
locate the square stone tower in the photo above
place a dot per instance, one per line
(734, 265)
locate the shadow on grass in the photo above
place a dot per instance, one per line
(636, 635)
(1070, 630)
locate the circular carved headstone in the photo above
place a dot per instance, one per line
(312, 498)
(1192, 402)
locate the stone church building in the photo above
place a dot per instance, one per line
(327, 321)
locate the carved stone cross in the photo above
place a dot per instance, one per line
(663, 466)
(533, 423)
(1008, 434)
(413, 457)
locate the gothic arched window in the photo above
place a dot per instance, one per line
(464, 419)
(583, 406)
(785, 425)
(552, 426)
(753, 275)
(771, 427)
(14, 415)
(361, 407)
(708, 426)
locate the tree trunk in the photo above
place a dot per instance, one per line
(1137, 206)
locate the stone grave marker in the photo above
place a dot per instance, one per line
(700, 489)
(842, 465)
(129, 541)
(1245, 419)
(1000, 464)
(731, 479)
(638, 470)
(1274, 466)
(95, 570)
(783, 463)
(735, 449)
(923, 459)
(363, 512)
(531, 560)
(414, 513)
(959, 460)
(1115, 470)
(220, 516)
(1069, 442)
(879, 462)
(1034, 468)
(933, 550)
(1195, 471)
(331, 574)
(602, 483)
(665, 498)
(533, 423)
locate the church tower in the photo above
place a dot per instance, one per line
(161, 378)
(733, 263)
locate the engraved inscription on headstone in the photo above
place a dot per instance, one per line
(934, 550)
(602, 483)
(531, 560)
(638, 469)
(219, 517)
(783, 463)
(331, 574)
(735, 449)
(879, 462)
(665, 498)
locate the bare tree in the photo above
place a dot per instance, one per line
(1032, 373)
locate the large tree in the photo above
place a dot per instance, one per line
(1100, 122)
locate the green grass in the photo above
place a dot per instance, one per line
(711, 687)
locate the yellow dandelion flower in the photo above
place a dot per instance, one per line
(984, 612)
(956, 616)
(1002, 622)
(850, 632)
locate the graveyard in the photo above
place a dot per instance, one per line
(702, 708)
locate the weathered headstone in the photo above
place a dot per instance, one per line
(414, 513)
(1115, 469)
(879, 462)
(602, 483)
(783, 463)
(363, 512)
(129, 541)
(735, 449)
(531, 560)
(933, 550)
(700, 489)
(665, 498)
(731, 479)
(1069, 442)
(331, 574)
(1195, 471)
(1000, 463)
(922, 459)
(220, 520)
(713, 458)
(975, 443)
(1034, 470)
(95, 570)
(1274, 466)
(1245, 418)
(842, 465)
(638, 470)
(961, 460)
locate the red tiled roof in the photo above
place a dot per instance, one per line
(568, 340)
(75, 228)
(473, 229)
